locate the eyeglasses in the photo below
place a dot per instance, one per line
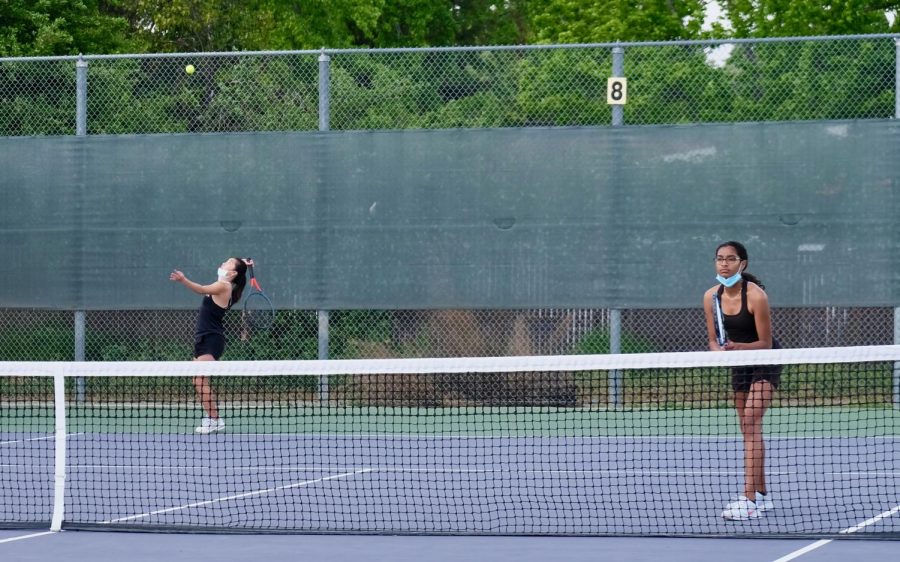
(727, 259)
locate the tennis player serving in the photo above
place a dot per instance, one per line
(748, 325)
(209, 335)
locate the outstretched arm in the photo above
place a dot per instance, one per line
(217, 288)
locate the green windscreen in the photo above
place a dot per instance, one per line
(495, 218)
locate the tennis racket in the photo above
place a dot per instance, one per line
(258, 310)
(719, 320)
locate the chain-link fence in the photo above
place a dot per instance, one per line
(853, 77)
(149, 335)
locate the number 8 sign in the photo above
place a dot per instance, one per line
(616, 90)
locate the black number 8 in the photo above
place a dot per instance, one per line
(616, 91)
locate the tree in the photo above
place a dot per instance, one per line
(63, 27)
(227, 25)
(791, 18)
(575, 21)
(494, 22)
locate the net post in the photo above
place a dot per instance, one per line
(324, 90)
(59, 462)
(615, 346)
(323, 354)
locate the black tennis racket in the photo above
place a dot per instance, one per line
(719, 320)
(258, 310)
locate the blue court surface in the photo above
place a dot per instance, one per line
(412, 484)
(467, 484)
(82, 546)
(415, 484)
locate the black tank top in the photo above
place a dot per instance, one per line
(741, 327)
(209, 318)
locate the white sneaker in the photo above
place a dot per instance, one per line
(740, 510)
(209, 425)
(764, 502)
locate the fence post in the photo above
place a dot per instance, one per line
(896, 386)
(324, 125)
(81, 76)
(615, 315)
(324, 91)
(897, 363)
(323, 354)
(616, 400)
(897, 78)
(81, 71)
(79, 352)
(618, 70)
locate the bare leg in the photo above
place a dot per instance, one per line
(205, 392)
(751, 407)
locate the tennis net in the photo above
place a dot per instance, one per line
(639, 444)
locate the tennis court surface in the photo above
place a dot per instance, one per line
(618, 445)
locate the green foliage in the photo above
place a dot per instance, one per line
(262, 95)
(126, 96)
(597, 342)
(350, 329)
(812, 80)
(293, 335)
(793, 18)
(575, 21)
(38, 343)
(370, 94)
(37, 99)
(564, 88)
(62, 27)
(837, 384)
(676, 85)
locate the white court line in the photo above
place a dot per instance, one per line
(18, 441)
(410, 470)
(401, 437)
(847, 531)
(870, 473)
(234, 497)
(804, 550)
(31, 536)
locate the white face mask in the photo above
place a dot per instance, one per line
(222, 274)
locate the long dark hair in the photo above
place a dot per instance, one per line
(239, 281)
(742, 253)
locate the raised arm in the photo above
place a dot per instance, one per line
(217, 288)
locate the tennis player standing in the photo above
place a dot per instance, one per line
(748, 323)
(209, 335)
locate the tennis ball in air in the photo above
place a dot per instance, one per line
(189, 69)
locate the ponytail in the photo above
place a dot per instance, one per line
(239, 281)
(753, 279)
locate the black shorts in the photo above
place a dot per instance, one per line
(742, 378)
(209, 344)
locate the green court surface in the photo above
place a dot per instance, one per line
(832, 421)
